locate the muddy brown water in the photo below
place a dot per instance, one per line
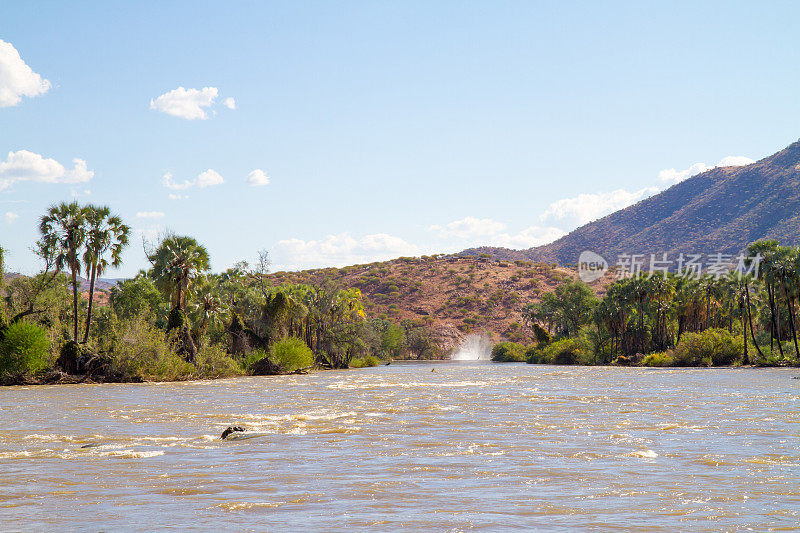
(469, 446)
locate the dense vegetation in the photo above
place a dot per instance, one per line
(672, 320)
(177, 320)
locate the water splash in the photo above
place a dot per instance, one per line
(473, 348)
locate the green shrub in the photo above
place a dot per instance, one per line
(143, 351)
(713, 346)
(292, 354)
(659, 359)
(570, 351)
(252, 358)
(213, 362)
(23, 348)
(508, 352)
(363, 362)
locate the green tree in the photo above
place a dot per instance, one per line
(137, 296)
(175, 263)
(106, 237)
(63, 230)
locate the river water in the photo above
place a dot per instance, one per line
(467, 446)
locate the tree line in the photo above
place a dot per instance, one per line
(176, 318)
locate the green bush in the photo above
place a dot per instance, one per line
(659, 359)
(571, 351)
(144, 351)
(363, 362)
(214, 362)
(23, 348)
(292, 354)
(713, 346)
(508, 352)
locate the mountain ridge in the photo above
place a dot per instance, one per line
(721, 210)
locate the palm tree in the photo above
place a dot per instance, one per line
(176, 262)
(105, 234)
(208, 307)
(63, 232)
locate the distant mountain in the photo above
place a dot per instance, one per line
(721, 210)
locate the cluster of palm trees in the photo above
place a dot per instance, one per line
(644, 314)
(76, 238)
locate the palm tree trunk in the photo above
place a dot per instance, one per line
(790, 306)
(775, 322)
(750, 319)
(91, 304)
(74, 303)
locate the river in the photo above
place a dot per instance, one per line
(414, 446)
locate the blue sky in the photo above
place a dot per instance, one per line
(382, 128)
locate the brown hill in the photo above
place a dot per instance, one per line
(454, 295)
(722, 210)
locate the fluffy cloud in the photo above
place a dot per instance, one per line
(191, 104)
(16, 78)
(10, 217)
(672, 176)
(177, 196)
(586, 207)
(258, 178)
(340, 250)
(150, 214)
(186, 103)
(208, 178)
(29, 166)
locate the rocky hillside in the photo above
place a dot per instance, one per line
(454, 295)
(722, 210)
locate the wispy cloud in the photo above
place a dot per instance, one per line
(150, 214)
(340, 250)
(17, 79)
(207, 178)
(10, 217)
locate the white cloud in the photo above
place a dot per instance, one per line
(586, 207)
(186, 103)
(10, 217)
(735, 161)
(170, 183)
(208, 178)
(258, 178)
(672, 176)
(178, 196)
(150, 214)
(229, 102)
(528, 238)
(471, 231)
(16, 77)
(340, 250)
(469, 227)
(29, 166)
